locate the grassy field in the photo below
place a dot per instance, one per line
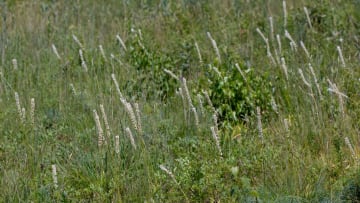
(180, 101)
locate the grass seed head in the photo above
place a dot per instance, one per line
(15, 64)
(55, 51)
(99, 129)
(117, 144)
(54, 176)
(32, 111)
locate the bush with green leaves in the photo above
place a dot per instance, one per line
(236, 92)
(150, 66)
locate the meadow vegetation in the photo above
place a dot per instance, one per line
(180, 101)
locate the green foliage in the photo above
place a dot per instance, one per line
(151, 81)
(351, 191)
(236, 97)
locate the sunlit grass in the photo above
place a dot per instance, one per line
(187, 101)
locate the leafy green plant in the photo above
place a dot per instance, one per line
(150, 65)
(236, 94)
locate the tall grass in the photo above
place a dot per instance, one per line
(158, 136)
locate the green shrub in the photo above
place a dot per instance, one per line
(236, 97)
(149, 64)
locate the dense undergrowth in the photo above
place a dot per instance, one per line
(179, 101)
